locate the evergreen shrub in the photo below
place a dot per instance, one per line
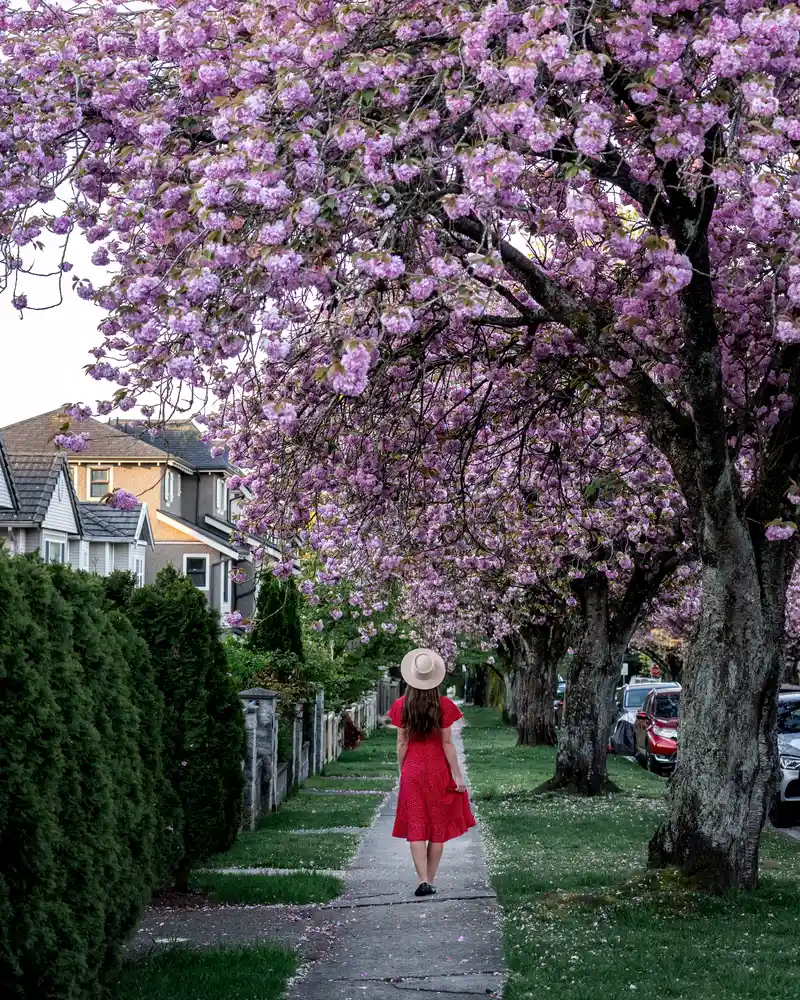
(203, 732)
(80, 782)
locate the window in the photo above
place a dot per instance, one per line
(138, 570)
(667, 706)
(789, 718)
(196, 568)
(221, 495)
(172, 486)
(225, 570)
(55, 552)
(99, 483)
(634, 697)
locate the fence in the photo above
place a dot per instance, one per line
(268, 782)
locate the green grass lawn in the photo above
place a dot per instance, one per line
(373, 758)
(259, 973)
(250, 890)
(307, 811)
(584, 918)
(348, 782)
(272, 847)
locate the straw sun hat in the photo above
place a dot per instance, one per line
(423, 668)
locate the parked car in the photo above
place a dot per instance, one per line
(558, 701)
(655, 734)
(629, 700)
(786, 808)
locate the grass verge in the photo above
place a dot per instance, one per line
(582, 914)
(266, 890)
(259, 973)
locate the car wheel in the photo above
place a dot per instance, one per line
(651, 763)
(780, 815)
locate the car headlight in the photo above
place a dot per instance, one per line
(790, 763)
(667, 734)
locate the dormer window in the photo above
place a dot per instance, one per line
(172, 486)
(221, 496)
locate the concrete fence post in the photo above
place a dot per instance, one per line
(261, 758)
(317, 733)
(295, 764)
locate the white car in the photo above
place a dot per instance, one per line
(786, 809)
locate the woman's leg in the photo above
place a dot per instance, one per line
(434, 857)
(419, 853)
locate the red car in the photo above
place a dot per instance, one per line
(655, 733)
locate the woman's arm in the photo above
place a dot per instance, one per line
(452, 759)
(402, 746)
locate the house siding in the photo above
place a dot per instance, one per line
(5, 492)
(97, 558)
(60, 514)
(75, 553)
(122, 557)
(172, 555)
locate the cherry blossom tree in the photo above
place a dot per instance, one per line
(310, 201)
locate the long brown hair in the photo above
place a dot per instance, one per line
(422, 711)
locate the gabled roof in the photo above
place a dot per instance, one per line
(180, 438)
(7, 477)
(38, 434)
(36, 478)
(102, 523)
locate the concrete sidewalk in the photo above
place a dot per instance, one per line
(388, 943)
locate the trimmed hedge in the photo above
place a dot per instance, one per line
(81, 788)
(204, 735)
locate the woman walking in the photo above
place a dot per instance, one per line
(432, 805)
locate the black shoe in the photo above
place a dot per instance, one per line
(424, 889)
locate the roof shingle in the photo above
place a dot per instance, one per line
(36, 477)
(179, 438)
(38, 434)
(102, 523)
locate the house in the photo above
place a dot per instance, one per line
(40, 512)
(113, 540)
(183, 486)
(45, 517)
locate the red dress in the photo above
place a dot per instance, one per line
(428, 805)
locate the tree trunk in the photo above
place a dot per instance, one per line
(510, 681)
(537, 651)
(581, 761)
(721, 790)
(480, 692)
(182, 879)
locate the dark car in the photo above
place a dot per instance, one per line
(655, 733)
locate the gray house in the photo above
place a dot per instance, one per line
(183, 486)
(44, 517)
(113, 540)
(39, 512)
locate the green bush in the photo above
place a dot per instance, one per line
(81, 843)
(204, 737)
(277, 627)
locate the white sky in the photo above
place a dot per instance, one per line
(42, 356)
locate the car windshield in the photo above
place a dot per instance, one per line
(666, 706)
(789, 718)
(634, 697)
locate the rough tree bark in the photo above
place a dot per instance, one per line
(600, 633)
(719, 796)
(534, 652)
(581, 764)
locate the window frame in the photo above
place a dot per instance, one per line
(46, 543)
(108, 482)
(138, 569)
(169, 487)
(198, 555)
(221, 496)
